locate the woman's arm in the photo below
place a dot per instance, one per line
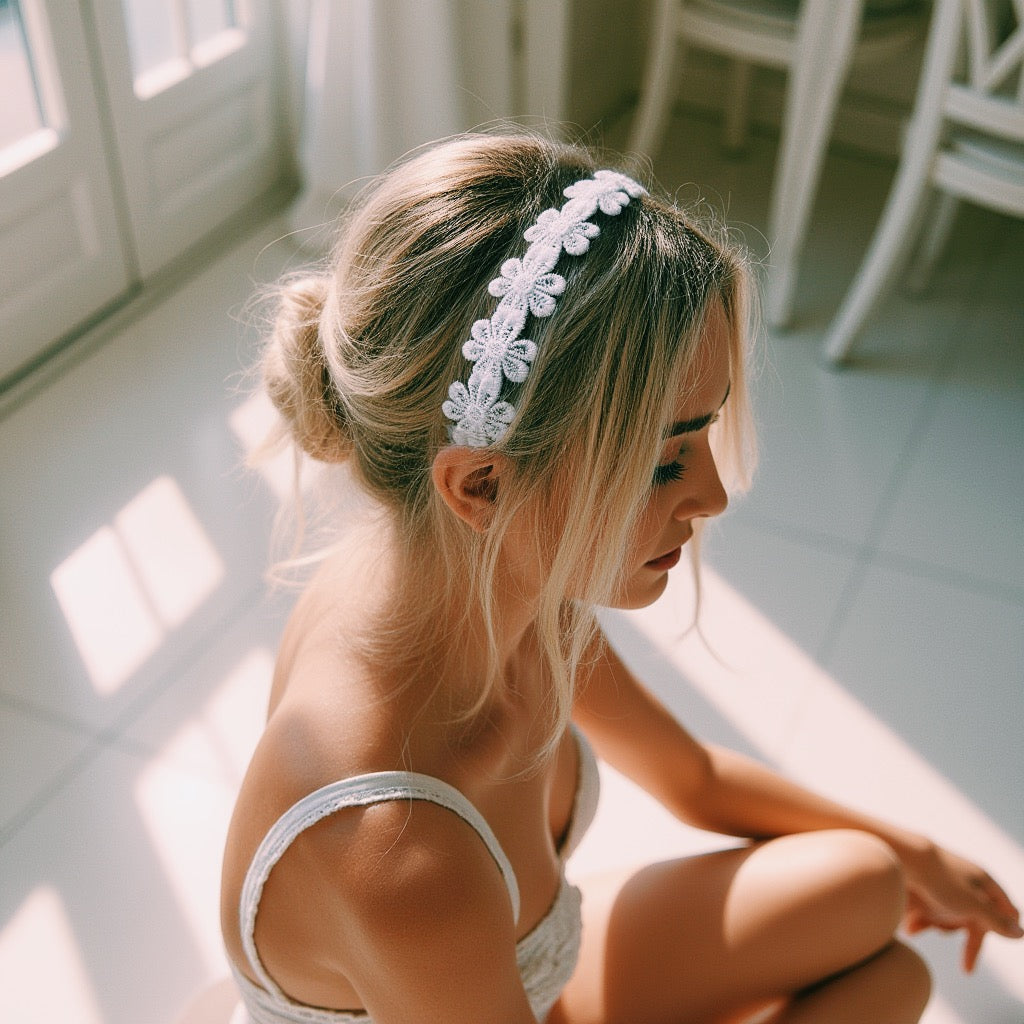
(721, 791)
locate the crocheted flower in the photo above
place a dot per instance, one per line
(608, 190)
(576, 241)
(494, 343)
(480, 420)
(548, 227)
(563, 229)
(526, 288)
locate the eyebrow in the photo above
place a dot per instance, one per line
(697, 423)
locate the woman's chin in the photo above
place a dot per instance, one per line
(640, 592)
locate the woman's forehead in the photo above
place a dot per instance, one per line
(705, 384)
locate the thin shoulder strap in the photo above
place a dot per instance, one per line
(378, 787)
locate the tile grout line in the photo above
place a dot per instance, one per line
(51, 789)
(111, 735)
(839, 546)
(924, 570)
(135, 708)
(869, 551)
(41, 713)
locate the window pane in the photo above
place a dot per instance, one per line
(153, 33)
(21, 112)
(208, 18)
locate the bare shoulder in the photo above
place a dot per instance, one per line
(414, 863)
(412, 915)
(397, 907)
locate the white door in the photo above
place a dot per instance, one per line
(61, 254)
(192, 92)
(129, 131)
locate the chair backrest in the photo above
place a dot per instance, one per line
(989, 93)
(972, 79)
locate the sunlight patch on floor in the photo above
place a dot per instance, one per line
(188, 789)
(37, 947)
(132, 582)
(177, 565)
(113, 625)
(252, 423)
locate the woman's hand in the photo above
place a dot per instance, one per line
(950, 893)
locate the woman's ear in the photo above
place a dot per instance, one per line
(467, 481)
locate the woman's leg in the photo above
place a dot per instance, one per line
(893, 986)
(808, 919)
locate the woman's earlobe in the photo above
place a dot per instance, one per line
(467, 483)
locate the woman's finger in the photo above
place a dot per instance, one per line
(972, 947)
(1008, 914)
(999, 912)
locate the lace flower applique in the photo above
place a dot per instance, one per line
(527, 287)
(496, 347)
(481, 418)
(535, 291)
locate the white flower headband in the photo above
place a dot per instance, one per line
(526, 286)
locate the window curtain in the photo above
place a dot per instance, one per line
(380, 79)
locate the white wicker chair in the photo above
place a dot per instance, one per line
(965, 140)
(817, 40)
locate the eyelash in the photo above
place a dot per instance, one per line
(670, 472)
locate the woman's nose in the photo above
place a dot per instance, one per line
(707, 497)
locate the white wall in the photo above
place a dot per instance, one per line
(607, 58)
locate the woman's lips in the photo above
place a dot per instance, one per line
(666, 562)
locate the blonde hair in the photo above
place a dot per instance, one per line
(361, 357)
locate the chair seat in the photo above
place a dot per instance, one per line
(764, 31)
(770, 15)
(982, 170)
(1000, 156)
(816, 41)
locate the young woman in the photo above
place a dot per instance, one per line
(534, 370)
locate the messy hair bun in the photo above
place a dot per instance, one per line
(296, 375)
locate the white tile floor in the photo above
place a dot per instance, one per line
(866, 601)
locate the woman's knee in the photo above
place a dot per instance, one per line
(842, 890)
(868, 871)
(863, 884)
(868, 859)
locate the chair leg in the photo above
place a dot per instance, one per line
(737, 106)
(932, 242)
(660, 76)
(887, 253)
(826, 39)
(905, 205)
